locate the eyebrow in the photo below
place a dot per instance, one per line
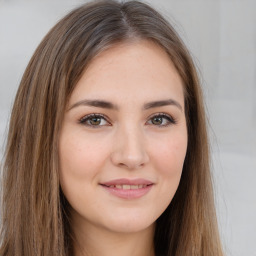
(95, 103)
(109, 105)
(161, 103)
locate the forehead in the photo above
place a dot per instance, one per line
(140, 68)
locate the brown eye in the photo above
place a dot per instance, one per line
(94, 120)
(161, 120)
(157, 120)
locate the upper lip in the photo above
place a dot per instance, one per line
(127, 182)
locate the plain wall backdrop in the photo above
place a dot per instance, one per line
(221, 35)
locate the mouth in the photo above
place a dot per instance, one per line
(127, 186)
(128, 189)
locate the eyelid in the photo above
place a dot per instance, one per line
(170, 118)
(87, 117)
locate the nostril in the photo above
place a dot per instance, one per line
(131, 164)
(129, 151)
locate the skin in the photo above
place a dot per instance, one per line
(127, 143)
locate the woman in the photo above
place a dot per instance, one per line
(107, 150)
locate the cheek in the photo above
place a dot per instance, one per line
(169, 154)
(81, 157)
(81, 160)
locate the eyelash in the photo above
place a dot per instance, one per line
(89, 117)
(84, 120)
(169, 118)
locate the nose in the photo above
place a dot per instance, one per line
(129, 149)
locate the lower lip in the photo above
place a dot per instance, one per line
(128, 193)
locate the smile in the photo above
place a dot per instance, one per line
(128, 189)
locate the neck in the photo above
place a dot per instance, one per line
(95, 241)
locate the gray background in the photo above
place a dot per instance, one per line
(221, 35)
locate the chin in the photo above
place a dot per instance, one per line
(129, 224)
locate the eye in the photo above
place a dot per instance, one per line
(161, 120)
(94, 120)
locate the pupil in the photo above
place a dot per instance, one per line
(95, 121)
(157, 120)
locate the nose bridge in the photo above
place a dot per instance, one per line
(130, 149)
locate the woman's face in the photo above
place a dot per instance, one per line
(123, 139)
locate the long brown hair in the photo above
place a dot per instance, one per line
(34, 210)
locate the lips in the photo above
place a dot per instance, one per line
(126, 186)
(128, 189)
(130, 182)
